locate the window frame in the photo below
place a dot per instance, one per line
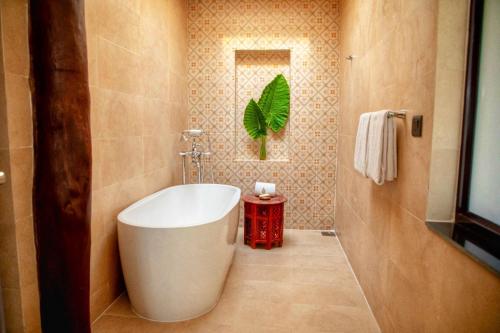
(469, 117)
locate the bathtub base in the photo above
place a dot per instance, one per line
(178, 273)
(177, 320)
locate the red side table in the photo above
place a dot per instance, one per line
(264, 221)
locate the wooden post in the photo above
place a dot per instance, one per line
(62, 177)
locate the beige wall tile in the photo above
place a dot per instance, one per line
(156, 117)
(13, 19)
(115, 114)
(19, 117)
(120, 59)
(450, 80)
(155, 152)
(26, 252)
(92, 48)
(406, 272)
(15, 36)
(133, 48)
(117, 159)
(6, 204)
(31, 308)
(21, 160)
(8, 240)
(118, 68)
(455, 278)
(12, 310)
(405, 302)
(117, 23)
(153, 180)
(105, 263)
(310, 31)
(4, 131)
(9, 273)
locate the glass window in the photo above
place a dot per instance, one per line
(484, 193)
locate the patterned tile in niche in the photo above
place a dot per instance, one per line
(254, 70)
(309, 29)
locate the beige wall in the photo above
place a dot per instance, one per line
(137, 73)
(301, 161)
(452, 36)
(137, 70)
(413, 280)
(17, 251)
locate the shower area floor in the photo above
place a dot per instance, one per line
(305, 286)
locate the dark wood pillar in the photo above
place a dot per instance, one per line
(61, 189)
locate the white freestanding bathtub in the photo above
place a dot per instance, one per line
(176, 248)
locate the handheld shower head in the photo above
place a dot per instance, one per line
(191, 133)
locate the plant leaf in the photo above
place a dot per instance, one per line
(275, 103)
(254, 120)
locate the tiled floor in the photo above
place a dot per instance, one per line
(305, 286)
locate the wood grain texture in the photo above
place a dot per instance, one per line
(62, 176)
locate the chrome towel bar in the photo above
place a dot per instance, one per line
(398, 114)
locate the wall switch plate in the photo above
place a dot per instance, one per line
(416, 126)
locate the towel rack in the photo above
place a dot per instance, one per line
(398, 114)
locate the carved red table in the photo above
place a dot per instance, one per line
(263, 221)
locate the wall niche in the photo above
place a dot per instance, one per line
(254, 69)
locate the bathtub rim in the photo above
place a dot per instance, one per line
(151, 196)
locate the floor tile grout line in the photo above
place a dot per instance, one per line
(310, 255)
(108, 307)
(120, 315)
(329, 268)
(335, 245)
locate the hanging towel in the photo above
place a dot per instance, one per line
(392, 151)
(360, 150)
(381, 153)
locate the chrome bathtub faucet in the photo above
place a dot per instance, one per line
(199, 157)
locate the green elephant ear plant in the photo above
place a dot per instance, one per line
(270, 112)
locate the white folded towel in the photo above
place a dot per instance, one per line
(380, 151)
(360, 150)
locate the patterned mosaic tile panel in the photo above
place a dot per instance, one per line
(302, 161)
